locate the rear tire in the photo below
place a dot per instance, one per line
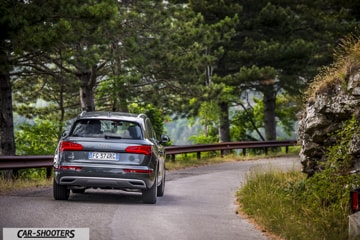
(161, 187)
(60, 192)
(149, 196)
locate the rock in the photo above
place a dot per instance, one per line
(323, 116)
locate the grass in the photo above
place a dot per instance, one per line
(347, 56)
(7, 186)
(281, 204)
(190, 159)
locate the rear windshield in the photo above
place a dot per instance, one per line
(106, 128)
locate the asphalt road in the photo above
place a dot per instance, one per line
(199, 203)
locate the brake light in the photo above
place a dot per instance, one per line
(145, 149)
(147, 171)
(354, 201)
(72, 168)
(70, 146)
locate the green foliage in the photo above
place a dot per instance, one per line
(39, 138)
(164, 53)
(208, 118)
(243, 124)
(276, 201)
(296, 207)
(333, 183)
(203, 139)
(155, 115)
(246, 123)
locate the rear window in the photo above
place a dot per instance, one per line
(106, 128)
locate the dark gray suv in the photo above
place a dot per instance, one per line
(110, 150)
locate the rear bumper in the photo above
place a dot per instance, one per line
(102, 182)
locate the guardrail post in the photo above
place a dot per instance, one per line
(198, 155)
(15, 173)
(48, 172)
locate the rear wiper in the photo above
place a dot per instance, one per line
(112, 136)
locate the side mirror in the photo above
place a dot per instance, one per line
(164, 138)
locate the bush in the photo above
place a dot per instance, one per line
(39, 138)
(295, 207)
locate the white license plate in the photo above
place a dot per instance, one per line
(103, 156)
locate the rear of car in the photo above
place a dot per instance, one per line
(109, 151)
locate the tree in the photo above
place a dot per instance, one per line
(137, 67)
(279, 46)
(111, 62)
(165, 53)
(47, 92)
(248, 121)
(13, 43)
(209, 120)
(210, 28)
(155, 115)
(9, 25)
(85, 44)
(7, 143)
(34, 36)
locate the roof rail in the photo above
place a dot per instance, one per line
(141, 115)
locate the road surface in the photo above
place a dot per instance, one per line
(199, 203)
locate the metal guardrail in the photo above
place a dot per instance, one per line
(22, 162)
(198, 148)
(46, 161)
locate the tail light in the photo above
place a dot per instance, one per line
(144, 149)
(146, 171)
(70, 146)
(72, 168)
(354, 200)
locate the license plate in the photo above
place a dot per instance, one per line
(103, 156)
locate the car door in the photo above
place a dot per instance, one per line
(158, 149)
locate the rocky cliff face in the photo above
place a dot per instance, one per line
(323, 115)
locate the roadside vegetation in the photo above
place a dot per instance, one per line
(19, 184)
(207, 158)
(294, 206)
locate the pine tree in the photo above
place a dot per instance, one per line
(278, 47)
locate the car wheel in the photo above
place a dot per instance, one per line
(149, 195)
(78, 190)
(60, 192)
(161, 187)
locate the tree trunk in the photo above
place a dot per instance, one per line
(120, 103)
(123, 106)
(7, 140)
(269, 101)
(224, 128)
(88, 80)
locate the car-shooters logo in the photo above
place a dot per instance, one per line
(46, 233)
